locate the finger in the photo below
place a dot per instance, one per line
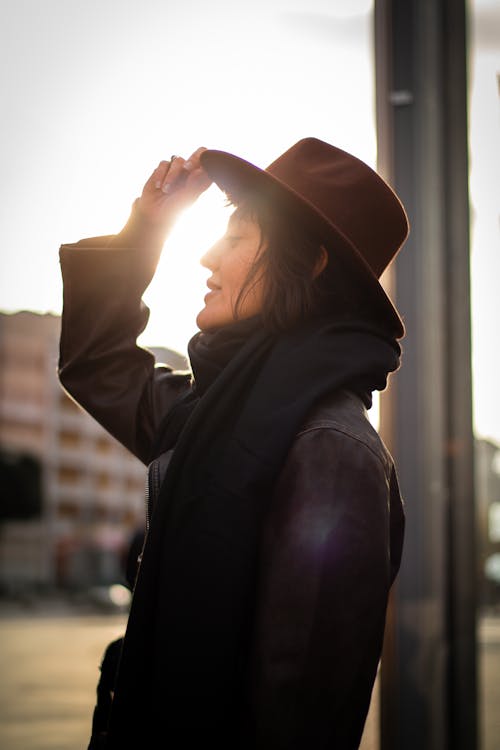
(198, 180)
(161, 173)
(158, 175)
(174, 174)
(194, 160)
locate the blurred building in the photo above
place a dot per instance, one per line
(92, 489)
(487, 455)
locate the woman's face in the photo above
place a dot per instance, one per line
(230, 261)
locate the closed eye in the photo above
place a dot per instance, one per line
(233, 239)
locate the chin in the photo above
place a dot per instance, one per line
(206, 321)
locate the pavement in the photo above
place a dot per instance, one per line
(49, 663)
(50, 651)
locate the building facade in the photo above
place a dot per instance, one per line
(92, 488)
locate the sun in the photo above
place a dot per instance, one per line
(175, 295)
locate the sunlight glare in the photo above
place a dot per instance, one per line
(176, 293)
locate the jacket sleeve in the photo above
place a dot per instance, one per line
(326, 575)
(100, 364)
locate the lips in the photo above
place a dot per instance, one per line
(213, 286)
(213, 289)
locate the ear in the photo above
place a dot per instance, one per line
(321, 262)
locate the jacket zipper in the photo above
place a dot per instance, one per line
(155, 476)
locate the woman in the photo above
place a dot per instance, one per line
(275, 522)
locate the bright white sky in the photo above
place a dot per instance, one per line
(95, 93)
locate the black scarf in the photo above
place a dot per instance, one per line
(184, 666)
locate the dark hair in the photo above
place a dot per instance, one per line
(292, 291)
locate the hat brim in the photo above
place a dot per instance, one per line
(237, 178)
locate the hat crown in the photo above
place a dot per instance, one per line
(348, 194)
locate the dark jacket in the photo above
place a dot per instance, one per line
(332, 542)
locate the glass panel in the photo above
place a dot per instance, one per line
(484, 64)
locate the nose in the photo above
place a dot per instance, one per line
(211, 258)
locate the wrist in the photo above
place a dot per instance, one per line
(140, 230)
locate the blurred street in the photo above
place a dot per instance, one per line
(49, 666)
(489, 682)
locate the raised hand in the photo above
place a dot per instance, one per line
(173, 186)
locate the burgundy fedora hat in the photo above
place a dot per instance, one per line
(338, 197)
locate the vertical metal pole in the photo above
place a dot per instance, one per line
(428, 670)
